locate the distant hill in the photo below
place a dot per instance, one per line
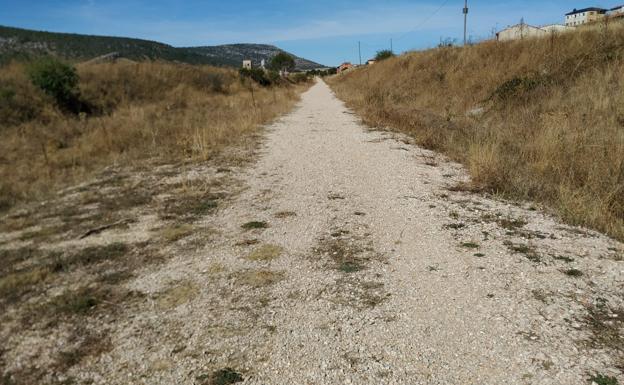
(17, 43)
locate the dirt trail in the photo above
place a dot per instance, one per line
(347, 259)
(386, 277)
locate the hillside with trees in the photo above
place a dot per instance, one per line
(23, 44)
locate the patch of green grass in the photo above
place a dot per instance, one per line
(599, 379)
(479, 255)
(470, 245)
(255, 225)
(455, 226)
(225, 376)
(574, 273)
(529, 252)
(349, 267)
(265, 253)
(285, 214)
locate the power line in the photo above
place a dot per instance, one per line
(424, 21)
(417, 27)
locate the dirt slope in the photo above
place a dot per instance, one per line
(345, 258)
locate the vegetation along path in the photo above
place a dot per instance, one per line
(348, 257)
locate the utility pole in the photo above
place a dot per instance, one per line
(465, 21)
(360, 51)
(391, 46)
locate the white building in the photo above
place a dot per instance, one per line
(557, 28)
(583, 16)
(247, 64)
(617, 11)
(526, 31)
(520, 31)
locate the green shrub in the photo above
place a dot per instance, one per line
(300, 77)
(274, 77)
(258, 75)
(57, 79)
(519, 87)
(603, 380)
(384, 54)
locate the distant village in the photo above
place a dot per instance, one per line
(574, 19)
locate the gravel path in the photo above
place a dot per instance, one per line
(365, 268)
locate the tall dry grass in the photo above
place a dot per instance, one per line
(140, 111)
(552, 124)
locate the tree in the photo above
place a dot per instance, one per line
(282, 62)
(384, 54)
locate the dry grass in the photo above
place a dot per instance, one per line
(140, 110)
(265, 253)
(177, 295)
(259, 278)
(551, 126)
(175, 232)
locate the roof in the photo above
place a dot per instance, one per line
(576, 11)
(520, 25)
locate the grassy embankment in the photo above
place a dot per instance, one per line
(137, 111)
(552, 124)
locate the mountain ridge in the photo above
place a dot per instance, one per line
(19, 43)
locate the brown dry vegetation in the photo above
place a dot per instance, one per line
(153, 157)
(552, 126)
(171, 112)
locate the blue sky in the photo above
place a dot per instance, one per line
(321, 30)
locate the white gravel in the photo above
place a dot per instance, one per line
(424, 310)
